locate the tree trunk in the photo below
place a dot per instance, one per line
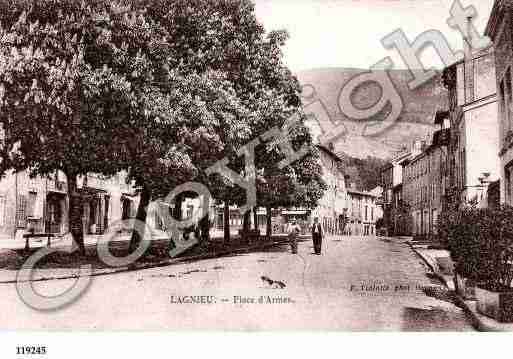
(75, 213)
(177, 213)
(269, 224)
(246, 222)
(255, 218)
(246, 225)
(205, 229)
(144, 201)
(226, 222)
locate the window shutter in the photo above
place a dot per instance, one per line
(133, 210)
(21, 212)
(31, 205)
(2, 211)
(38, 207)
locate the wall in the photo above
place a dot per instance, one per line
(334, 202)
(8, 203)
(482, 145)
(30, 197)
(503, 63)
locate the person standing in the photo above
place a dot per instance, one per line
(293, 234)
(317, 236)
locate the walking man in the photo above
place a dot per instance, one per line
(317, 236)
(293, 234)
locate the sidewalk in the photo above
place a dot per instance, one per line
(439, 261)
(71, 269)
(65, 241)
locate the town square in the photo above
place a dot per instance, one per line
(225, 165)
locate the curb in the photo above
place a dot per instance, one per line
(471, 316)
(164, 263)
(430, 266)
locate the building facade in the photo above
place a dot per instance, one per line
(41, 204)
(500, 30)
(392, 182)
(362, 213)
(424, 182)
(473, 115)
(331, 210)
(333, 206)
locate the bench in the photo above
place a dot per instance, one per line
(28, 236)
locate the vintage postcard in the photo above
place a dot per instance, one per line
(256, 165)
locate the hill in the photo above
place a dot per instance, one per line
(363, 172)
(416, 121)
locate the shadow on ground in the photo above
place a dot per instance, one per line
(431, 319)
(156, 253)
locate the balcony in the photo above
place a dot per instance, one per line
(441, 116)
(442, 137)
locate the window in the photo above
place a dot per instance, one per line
(434, 222)
(460, 83)
(508, 184)
(21, 212)
(464, 166)
(190, 210)
(508, 94)
(2, 211)
(31, 205)
(503, 108)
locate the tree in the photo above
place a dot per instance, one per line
(161, 89)
(364, 173)
(224, 36)
(42, 64)
(75, 78)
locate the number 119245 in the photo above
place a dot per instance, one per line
(30, 350)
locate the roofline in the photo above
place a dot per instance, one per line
(368, 194)
(476, 54)
(493, 21)
(387, 166)
(420, 155)
(329, 152)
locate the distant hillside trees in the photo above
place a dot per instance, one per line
(364, 173)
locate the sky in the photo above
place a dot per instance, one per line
(347, 33)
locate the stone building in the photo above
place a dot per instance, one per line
(392, 182)
(41, 204)
(333, 206)
(377, 192)
(474, 126)
(500, 30)
(331, 210)
(425, 178)
(415, 190)
(362, 213)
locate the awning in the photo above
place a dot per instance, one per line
(128, 196)
(90, 192)
(294, 213)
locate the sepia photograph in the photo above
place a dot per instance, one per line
(255, 166)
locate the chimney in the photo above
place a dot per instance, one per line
(469, 73)
(416, 148)
(467, 40)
